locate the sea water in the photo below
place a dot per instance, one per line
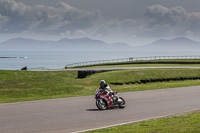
(58, 59)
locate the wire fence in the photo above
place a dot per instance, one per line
(130, 59)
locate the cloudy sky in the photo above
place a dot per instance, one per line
(136, 22)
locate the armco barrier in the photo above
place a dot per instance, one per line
(85, 73)
(131, 59)
(159, 80)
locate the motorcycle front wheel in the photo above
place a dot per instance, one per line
(101, 104)
(122, 104)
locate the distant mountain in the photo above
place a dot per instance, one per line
(79, 44)
(87, 44)
(20, 44)
(180, 43)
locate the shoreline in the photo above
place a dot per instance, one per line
(13, 57)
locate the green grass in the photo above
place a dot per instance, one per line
(136, 75)
(18, 86)
(185, 123)
(171, 60)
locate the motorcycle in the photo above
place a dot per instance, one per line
(104, 101)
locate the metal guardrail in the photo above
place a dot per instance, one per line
(37, 68)
(130, 59)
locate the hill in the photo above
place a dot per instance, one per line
(65, 44)
(180, 43)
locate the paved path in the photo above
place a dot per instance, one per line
(78, 114)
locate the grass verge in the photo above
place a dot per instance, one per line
(142, 65)
(16, 86)
(184, 123)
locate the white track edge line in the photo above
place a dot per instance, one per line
(136, 121)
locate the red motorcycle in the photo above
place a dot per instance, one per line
(104, 101)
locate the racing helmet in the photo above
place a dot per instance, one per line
(102, 83)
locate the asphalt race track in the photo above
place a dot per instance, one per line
(78, 114)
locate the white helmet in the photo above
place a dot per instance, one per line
(102, 83)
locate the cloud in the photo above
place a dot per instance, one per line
(80, 33)
(67, 33)
(161, 15)
(189, 33)
(65, 20)
(157, 21)
(119, 27)
(18, 17)
(161, 21)
(3, 21)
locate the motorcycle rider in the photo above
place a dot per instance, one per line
(106, 88)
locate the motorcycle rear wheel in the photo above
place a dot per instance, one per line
(101, 104)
